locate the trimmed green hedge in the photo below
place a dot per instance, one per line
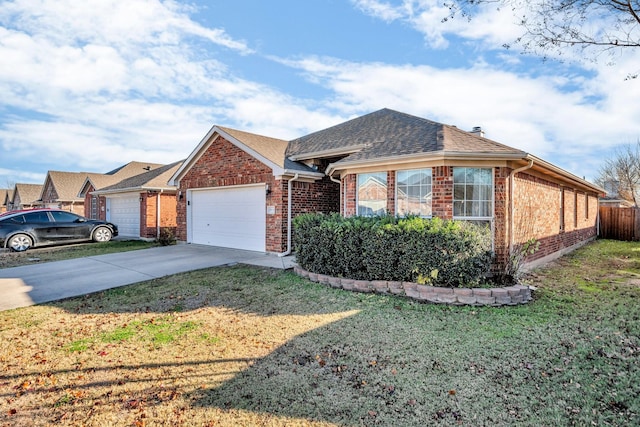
(429, 251)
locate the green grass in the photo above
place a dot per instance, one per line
(253, 346)
(59, 253)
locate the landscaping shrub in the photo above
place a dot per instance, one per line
(429, 251)
(167, 236)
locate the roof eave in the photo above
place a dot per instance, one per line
(434, 155)
(558, 170)
(334, 152)
(135, 189)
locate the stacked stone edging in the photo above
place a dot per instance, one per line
(512, 295)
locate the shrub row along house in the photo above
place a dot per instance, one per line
(241, 190)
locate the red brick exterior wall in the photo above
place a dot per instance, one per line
(501, 214)
(223, 164)
(540, 211)
(351, 183)
(442, 192)
(101, 205)
(148, 213)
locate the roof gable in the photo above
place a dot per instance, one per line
(99, 181)
(27, 193)
(269, 151)
(155, 179)
(66, 185)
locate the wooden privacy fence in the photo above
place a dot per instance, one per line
(619, 223)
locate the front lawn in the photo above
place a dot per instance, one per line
(250, 346)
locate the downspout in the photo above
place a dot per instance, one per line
(158, 216)
(511, 219)
(289, 224)
(344, 195)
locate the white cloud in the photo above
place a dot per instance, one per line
(491, 25)
(121, 80)
(537, 114)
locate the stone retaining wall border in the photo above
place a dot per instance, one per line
(512, 295)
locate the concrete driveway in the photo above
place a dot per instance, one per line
(39, 283)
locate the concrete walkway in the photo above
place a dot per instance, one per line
(39, 283)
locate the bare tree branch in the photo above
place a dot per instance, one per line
(552, 26)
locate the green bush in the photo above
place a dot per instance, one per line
(429, 251)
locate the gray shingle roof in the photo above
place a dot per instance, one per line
(388, 133)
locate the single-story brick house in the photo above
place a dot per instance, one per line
(60, 191)
(241, 190)
(95, 207)
(140, 205)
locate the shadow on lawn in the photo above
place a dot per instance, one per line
(371, 365)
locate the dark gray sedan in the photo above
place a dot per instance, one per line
(22, 230)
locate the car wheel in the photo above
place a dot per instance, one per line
(102, 234)
(20, 243)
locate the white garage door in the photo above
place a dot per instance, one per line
(230, 218)
(125, 213)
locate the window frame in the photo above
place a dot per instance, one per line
(358, 199)
(477, 219)
(492, 201)
(396, 200)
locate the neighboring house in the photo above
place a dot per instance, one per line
(60, 191)
(615, 202)
(26, 196)
(142, 204)
(241, 190)
(5, 196)
(95, 206)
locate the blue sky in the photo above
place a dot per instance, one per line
(91, 85)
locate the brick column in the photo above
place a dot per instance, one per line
(442, 192)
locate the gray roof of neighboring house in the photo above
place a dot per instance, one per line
(28, 193)
(156, 179)
(388, 133)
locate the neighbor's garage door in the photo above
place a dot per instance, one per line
(125, 213)
(230, 218)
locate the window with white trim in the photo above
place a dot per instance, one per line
(473, 193)
(413, 192)
(372, 193)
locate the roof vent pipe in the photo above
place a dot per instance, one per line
(477, 130)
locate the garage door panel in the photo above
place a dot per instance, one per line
(233, 218)
(125, 213)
